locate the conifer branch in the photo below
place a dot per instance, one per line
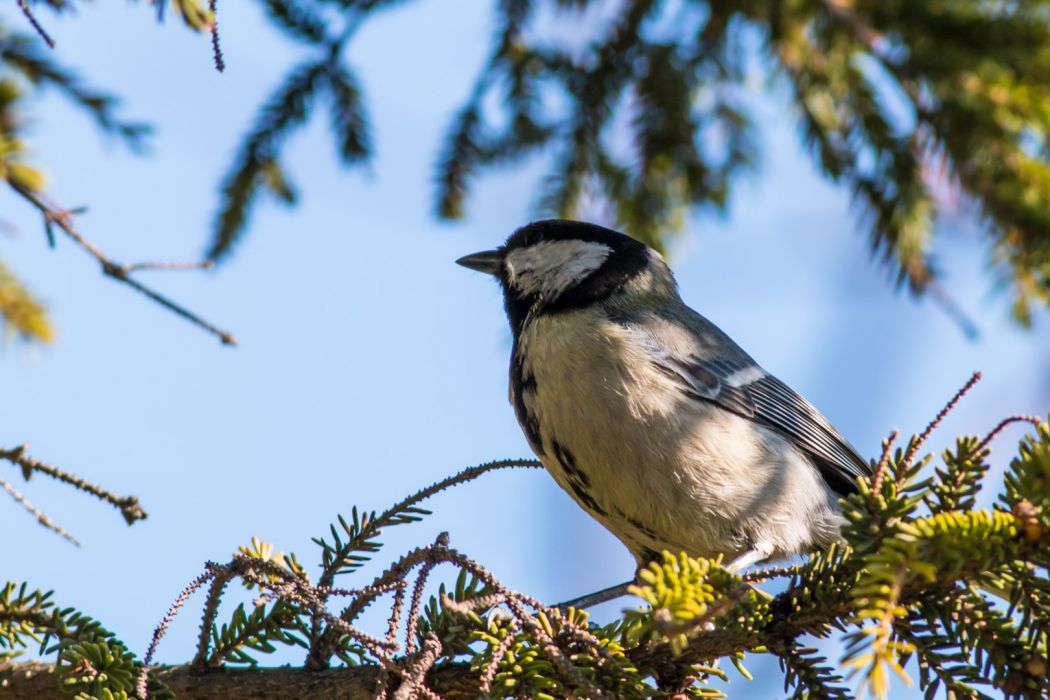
(908, 584)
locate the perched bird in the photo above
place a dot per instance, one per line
(649, 416)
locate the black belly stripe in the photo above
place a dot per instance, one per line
(579, 482)
(567, 460)
(645, 529)
(585, 498)
(521, 380)
(647, 554)
(637, 525)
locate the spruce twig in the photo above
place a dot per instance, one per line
(1003, 424)
(917, 444)
(128, 505)
(880, 469)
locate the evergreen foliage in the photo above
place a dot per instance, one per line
(650, 115)
(923, 576)
(645, 112)
(643, 118)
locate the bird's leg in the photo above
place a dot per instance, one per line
(602, 596)
(760, 551)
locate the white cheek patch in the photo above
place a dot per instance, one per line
(551, 267)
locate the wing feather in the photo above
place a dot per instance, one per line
(768, 401)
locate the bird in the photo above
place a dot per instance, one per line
(649, 416)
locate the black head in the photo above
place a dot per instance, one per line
(556, 265)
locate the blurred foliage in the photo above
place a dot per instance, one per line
(926, 589)
(645, 111)
(25, 62)
(21, 312)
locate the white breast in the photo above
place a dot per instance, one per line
(659, 469)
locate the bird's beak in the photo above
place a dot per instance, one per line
(488, 261)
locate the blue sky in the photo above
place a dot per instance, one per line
(370, 365)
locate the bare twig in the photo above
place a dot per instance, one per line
(128, 505)
(279, 582)
(24, 6)
(40, 516)
(321, 644)
(884, 461)
(413, 683)
(415, 604)
(771, 572)
(556, 656)
(468, 474)
(917, 444)
(1006, 422)
(216, 49)
(220, 578)
(202, 265)
(492, 666)
(122, 273)
(172, 611)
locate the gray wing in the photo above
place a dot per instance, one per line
(737, 384)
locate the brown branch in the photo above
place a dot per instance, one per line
(416, 605)
(488, 674)
(128, 505)
(158, 633)
(771, 572)
(790, 616)
(884, 461)
(63, 218)
(1003, 424)
(37, 681)
(321, 647)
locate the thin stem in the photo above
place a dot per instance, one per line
(24, 6)
(40, 516)
(884, 461)
(64, 220)
(1003, 424)
(914, 447)
(216, 49)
